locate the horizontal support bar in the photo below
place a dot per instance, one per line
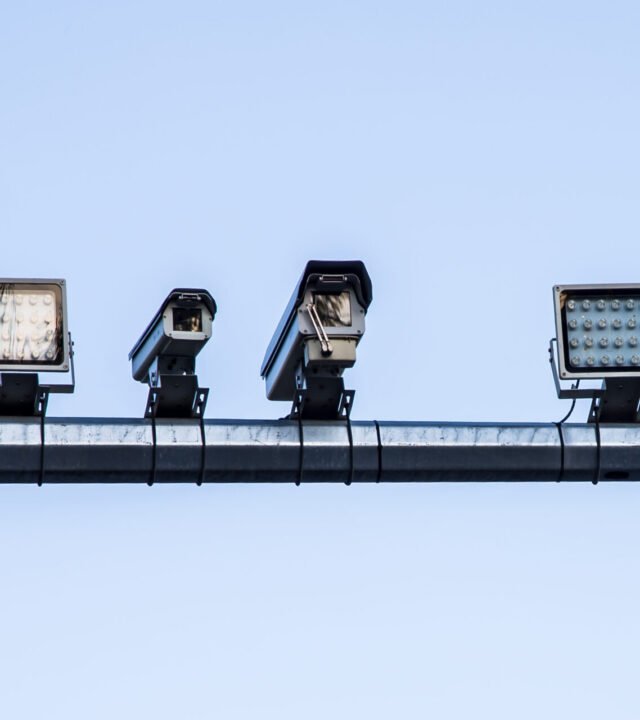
(122, 451)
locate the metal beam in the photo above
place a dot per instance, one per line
(122, 451)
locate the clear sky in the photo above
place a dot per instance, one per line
(472, 154)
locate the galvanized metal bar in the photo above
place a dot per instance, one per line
(103, 450)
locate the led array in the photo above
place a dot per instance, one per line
(602, 333)
(30, 329)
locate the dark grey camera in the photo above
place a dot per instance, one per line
(165, 355)
(316, 339)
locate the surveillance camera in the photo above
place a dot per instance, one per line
(316, 338)
(165, 355)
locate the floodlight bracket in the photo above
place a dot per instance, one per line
(65, 388)
(22, 395)
(574, 392)
(616, 401)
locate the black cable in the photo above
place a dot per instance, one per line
(568, 415)
(379, 476)
(559, 425)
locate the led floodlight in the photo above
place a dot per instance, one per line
(33, 332)
(598, 336)
(598, 330)
(34, 337)
(164, 356)
(316, 339)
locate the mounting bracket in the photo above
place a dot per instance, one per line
(616, 401)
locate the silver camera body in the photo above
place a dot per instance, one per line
(177, 333)
(317, 336)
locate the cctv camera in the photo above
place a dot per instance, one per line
(316, 338)
(164, 356)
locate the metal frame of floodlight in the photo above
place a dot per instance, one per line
(64, 364)
(566, 372)
(574, 392)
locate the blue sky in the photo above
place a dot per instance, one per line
(472, 154)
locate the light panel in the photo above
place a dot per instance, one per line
(598, 330)
(33, 334)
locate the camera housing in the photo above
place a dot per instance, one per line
(317, 336)
(164, 356)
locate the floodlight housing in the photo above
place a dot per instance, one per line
(164, 356)
(598, 337)
(34, 336)
(598, 330)
(316, 338)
